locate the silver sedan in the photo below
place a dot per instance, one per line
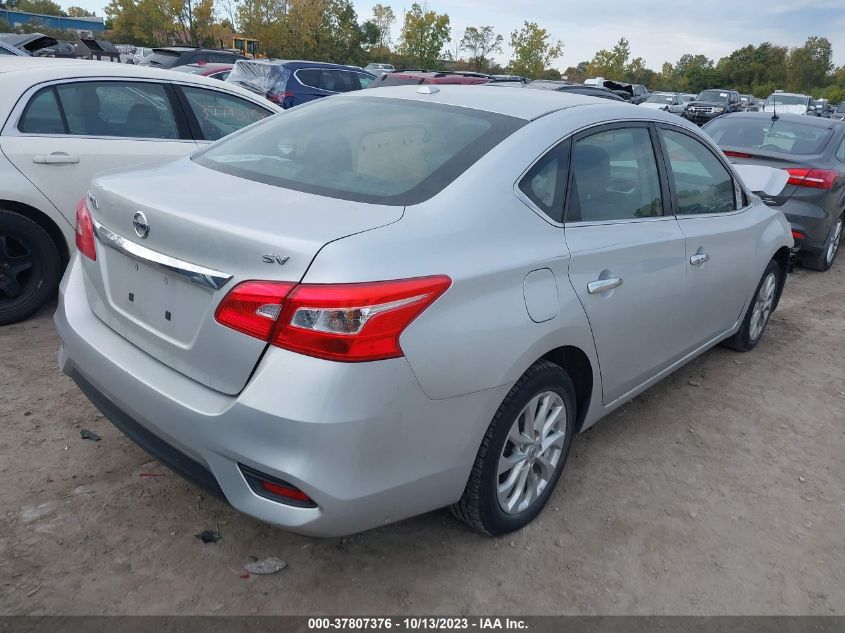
(408, 298)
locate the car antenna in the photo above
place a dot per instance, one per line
(775, 116)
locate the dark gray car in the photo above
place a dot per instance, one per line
(812, 150)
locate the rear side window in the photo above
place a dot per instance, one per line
(365, 80)
(545, 182)
(219, 114)
(785, 136)
(339, 80)
(118, 108)
(702, 183)
(309, 77)
(615, 177)
(365, 149)
(42, 115)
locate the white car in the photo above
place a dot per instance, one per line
(667, 101)
(790, 103)
(64, 121)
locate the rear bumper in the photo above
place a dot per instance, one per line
(362, 440)
(811, 220)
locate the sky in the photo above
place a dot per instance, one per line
(657, 31)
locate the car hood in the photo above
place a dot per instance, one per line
(656, 106)
(709, 104)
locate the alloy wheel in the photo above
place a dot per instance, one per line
(762, 306)
(16, 266)
(532, 452)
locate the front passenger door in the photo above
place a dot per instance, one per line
(627, 254)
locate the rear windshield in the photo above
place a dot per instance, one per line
(162, 58)
(778, 99)
(384, 151)
(713, 95)
(784, 136)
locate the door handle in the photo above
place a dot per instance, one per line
(603, 285)
(55, 159)
(698, 259)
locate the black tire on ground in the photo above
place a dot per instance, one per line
(819, 261)
(30, 267)
(479, 506)
(742, 341)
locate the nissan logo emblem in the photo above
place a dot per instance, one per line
(141, 226)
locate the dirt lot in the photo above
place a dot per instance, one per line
(719, 491)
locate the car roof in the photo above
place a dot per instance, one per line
(21, 73)
(816, 121)
(523, 104)
(305, 62)
(790, 94)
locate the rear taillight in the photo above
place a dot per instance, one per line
(733, 154)
(814, 178)
(279, 97)
(797, 235)
(342, 322)
(85, 230)
(253, 307)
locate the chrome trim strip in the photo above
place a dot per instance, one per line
(206, 277)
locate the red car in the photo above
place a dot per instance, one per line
(215, 71)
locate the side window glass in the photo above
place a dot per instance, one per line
(117, 108)
(42, 115)
(702, 182)
(364, 80)
(338, 81)
(840, 153)
(219, 114)
(614, 176)
(309, 77)
(545, 182)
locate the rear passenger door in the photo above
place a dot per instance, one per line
(309, 85)
(627, 254)
(720, 230)
(62, 134)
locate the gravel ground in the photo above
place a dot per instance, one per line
(719, 491)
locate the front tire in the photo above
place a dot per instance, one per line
(522, 454)
(758, 314)
(30, 267)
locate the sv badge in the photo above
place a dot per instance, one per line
(270, 258)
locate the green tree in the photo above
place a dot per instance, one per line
(79, 12)
(424, 34)
(611, 64)
(533, 50)
(809, 65)
(45, 7)
(383, 18)
(480, 42)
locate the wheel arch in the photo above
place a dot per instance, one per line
(577, 364)
(45, 222)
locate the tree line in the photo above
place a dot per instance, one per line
(330, 30)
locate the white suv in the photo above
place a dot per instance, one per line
(64, 121)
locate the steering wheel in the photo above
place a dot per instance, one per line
(770, 147)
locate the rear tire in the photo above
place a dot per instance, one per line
(522, 454)
(824, 260)
(758, 313)
(30, 267)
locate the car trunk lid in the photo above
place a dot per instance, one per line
(160, 291)
(753, 156)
